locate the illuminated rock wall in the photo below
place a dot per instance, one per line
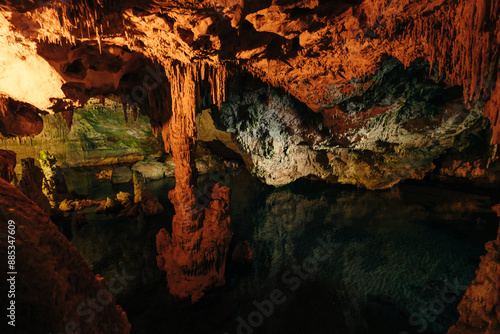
(53, 282)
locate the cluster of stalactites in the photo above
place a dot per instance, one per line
(465, 45)
(59, 21)
(172, 106)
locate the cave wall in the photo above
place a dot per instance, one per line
(53, 282)
(407, 125)
(98, 135)
(313, 49)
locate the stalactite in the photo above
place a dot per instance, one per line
(194, 256)
(463, 48)
(125, 115)
(67, 115)
(99, 41)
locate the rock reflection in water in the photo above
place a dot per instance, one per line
(194, 256)
(395, 249)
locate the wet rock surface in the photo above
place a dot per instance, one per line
(99, 135)
(150, 169)
(122, 174)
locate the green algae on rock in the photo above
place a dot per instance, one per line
(99, 135)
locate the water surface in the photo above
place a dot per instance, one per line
(394, 255)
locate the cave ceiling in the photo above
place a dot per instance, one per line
(57, 54)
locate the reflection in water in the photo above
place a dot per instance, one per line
(194, 256)
(395, 251)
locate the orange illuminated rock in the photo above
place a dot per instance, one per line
(466, 169)
(492, 111)
(55, 280)
(315, 50)
(311, 48)
(18, 119)
(480, 307)
(194, 256)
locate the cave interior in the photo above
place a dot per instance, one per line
(250, 166)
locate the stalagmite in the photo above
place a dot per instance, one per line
(48, 165)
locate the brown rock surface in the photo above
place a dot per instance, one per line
(7, 165)
(492, 111)
(68, 205)
(53, 277)
(242, 253)
(18, 119)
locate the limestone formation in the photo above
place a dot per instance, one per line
(98, 136)
(144, 198)
(150, 169)
(48, 165)
(330, 56)
(312, 49)
(480, 307)
(68, 205)
(110, 205)
(367, 93)
(31, 184)
(122, 174)
(194, 256)
(7, 165)
(52, 277)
